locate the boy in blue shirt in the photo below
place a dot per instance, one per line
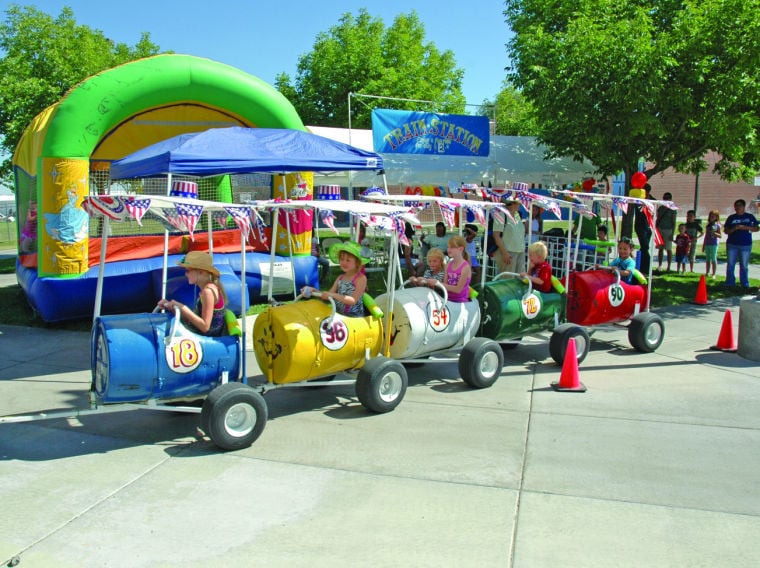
(624, 263)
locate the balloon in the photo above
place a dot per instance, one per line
(640, 193)
(588, 184)
(638, 180)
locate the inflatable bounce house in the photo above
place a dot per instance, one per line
(66, 152)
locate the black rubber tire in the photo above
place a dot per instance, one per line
(481, 362)
(646, 332)
(381, 384)
(234, 416)
(560, 337)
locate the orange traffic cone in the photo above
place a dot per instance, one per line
(726, 339)
(569, 380)
(701, 296)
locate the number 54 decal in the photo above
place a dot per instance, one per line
(438, 315)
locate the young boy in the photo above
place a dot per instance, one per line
(539, 271)
(470, 234)
(624, 263)
(694, 230)
(602, 252)
(683, 246)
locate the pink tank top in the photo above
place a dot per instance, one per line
(453, 275)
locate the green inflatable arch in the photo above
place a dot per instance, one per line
(57, 148)
(103, 101)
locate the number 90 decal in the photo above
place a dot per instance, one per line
(616, 295)
(184, 356)
(334, 336)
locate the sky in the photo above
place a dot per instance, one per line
(267, 38)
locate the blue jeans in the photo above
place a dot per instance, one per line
(740, 253)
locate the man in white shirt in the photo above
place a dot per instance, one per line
(509, 238)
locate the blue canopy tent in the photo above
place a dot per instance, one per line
(239, 150)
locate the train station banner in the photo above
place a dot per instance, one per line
(414, 132)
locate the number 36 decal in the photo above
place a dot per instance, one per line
(334, 336)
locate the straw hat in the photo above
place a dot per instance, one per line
(200, 261)
(350, 247)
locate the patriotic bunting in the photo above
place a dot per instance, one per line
(328, 219)
(105, 206)
(477, 211)
(622, 203)
(260, 227)
(189, 215)
(220, 218)
(242, 219)
(137, 208)
(447, 212)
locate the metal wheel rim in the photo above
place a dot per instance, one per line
(240, 419)
(580, 346)
(652, 334)
(489, 364)
(390, 387)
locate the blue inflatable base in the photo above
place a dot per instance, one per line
(133, 286)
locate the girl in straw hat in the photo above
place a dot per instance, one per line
(349, 287)
(208, 316)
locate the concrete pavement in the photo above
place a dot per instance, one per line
(655, 465)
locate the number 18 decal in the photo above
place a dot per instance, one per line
(616, 294)
(334, 336)
(531, 306)
(184, 356)
(439, 316)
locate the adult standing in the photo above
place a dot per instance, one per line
(739, 227)
(509, 238)
(666, 224)
(644, 233)
(536, 223)
(440, 240)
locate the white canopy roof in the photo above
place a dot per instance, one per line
(511, 158)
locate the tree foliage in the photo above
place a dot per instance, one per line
(360, 55)
(663, 80)
(514, 113)
(41, 58)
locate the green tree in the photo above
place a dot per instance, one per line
(514, 114)
(662, 80)
(360, 55)
(41, 58)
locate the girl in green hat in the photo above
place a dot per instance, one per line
(349, 287)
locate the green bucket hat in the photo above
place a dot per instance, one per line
(351, 248)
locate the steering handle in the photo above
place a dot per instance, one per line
(317, 294)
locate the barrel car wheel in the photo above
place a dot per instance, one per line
(562, 335)
(480, 362)
(381, 384)
(234, 416)
(646, 332)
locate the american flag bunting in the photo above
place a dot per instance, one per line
(137, 208)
